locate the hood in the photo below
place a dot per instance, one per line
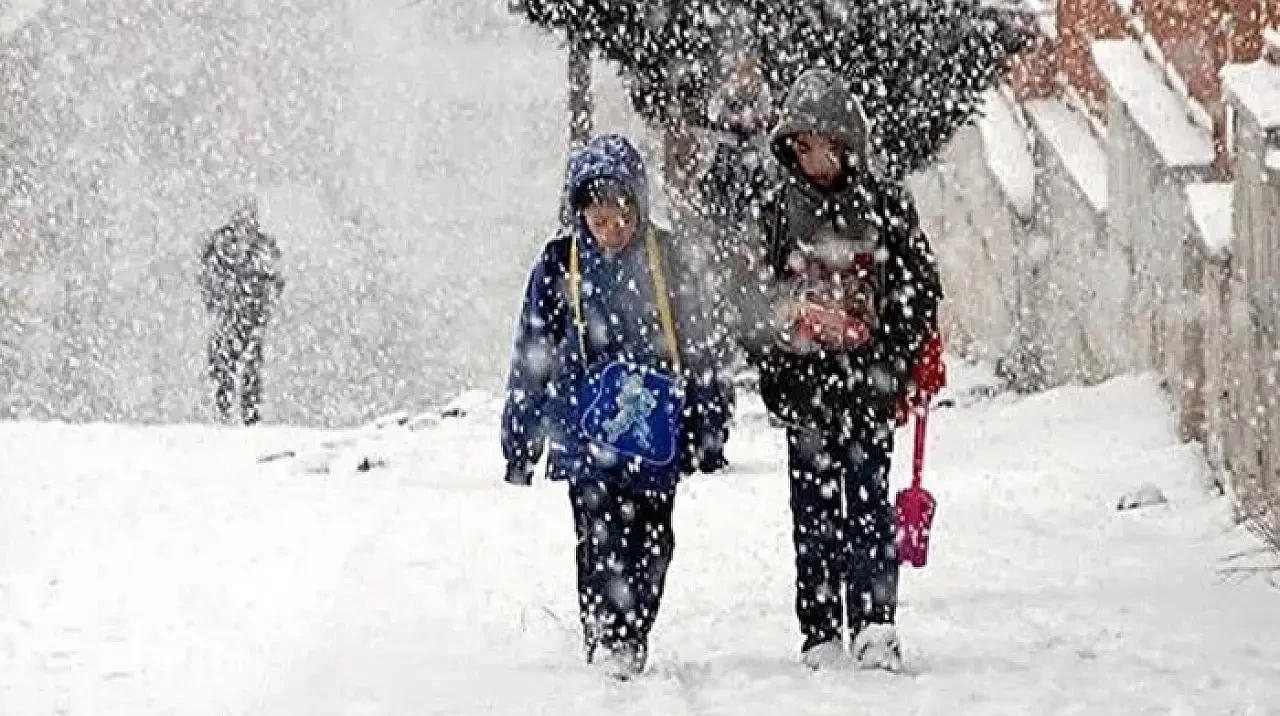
(609, 156)
(244, 211)
(820, 102)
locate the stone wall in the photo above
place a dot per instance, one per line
(1135, 256)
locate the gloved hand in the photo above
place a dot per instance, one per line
(689, 461)
(928, 377)
(712, 461)
(705, 459)
(519, 474)
(711, 451)
(930, 374)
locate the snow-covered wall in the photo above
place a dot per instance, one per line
(1137, 256)
(1155, 150)
(966, 206)
(1075, 296)
(408, 181)
(1254, 444)
(1017, 213)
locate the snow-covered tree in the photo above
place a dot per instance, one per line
(919, 66)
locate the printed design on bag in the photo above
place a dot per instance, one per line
(635, 404)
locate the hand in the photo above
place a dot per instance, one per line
(789, 334)
(928, 377)
(907, 404)
(519, 475)
(930, 372)
(712, 461)
(832, 326)
(705, 459)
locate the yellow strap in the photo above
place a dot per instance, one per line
(664, 300)
(575, 279)
(659, 288)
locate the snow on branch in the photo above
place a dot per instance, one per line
(920, 67)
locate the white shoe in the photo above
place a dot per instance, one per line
(827, 655)
(620, 662)
(877, 647)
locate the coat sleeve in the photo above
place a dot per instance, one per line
(708, 428)
(913, 289)
(207, 276)
(275, 280)
(538, 346)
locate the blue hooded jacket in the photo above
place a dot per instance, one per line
(622, 319)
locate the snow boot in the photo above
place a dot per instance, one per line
(877, 646)
(622, 661)
(824, 655)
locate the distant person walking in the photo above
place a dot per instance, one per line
(240, 284)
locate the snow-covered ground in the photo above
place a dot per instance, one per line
(165, 570)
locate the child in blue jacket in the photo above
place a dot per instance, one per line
(613, 370)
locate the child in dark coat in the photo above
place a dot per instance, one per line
(612, 369)
(842, 324)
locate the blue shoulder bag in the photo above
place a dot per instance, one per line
(628, 410)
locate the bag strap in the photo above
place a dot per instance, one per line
(575, 280)
(664, 298)
(665, 314)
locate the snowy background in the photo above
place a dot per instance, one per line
(408, 155)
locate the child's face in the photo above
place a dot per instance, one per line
(612, 222)
(819, 157)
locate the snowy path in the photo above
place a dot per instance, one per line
(162, 570)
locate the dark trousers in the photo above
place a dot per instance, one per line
(235, 361)
(843, 528)
(625, 543)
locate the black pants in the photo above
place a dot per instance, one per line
(235, 360)
(625, 543)
(843, 527)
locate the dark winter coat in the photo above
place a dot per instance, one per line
(622, 321)
(240, 274)
(871, 222)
